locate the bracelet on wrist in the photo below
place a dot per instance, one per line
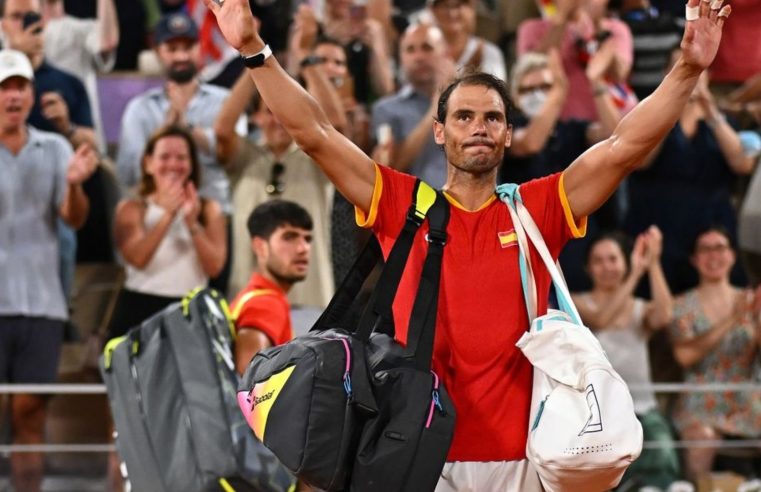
(257, 59)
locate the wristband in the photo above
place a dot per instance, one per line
(257, 60)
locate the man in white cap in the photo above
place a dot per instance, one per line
(42, 180)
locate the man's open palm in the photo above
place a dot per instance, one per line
(702, 36)
(235, 20)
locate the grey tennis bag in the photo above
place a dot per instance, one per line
(171, 386)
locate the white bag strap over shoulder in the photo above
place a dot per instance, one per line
(526, 227)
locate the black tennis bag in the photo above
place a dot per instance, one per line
(350, 408)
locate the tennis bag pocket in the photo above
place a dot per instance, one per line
(404, 447)
(299, 400)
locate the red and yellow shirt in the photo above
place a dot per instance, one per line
(481, 312)
(262, 305)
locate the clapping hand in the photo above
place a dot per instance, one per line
(171, 198)
(81, 165)
(191, 205)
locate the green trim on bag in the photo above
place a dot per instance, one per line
(186, 300)
(108, 351)
(226, 485)
(424, 200)
(538, 415)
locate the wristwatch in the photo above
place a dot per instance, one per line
(257, 60)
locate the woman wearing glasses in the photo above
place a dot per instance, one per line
(715, 337)
(171, 239)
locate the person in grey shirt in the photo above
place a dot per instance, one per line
(42, 181)
(183, 100)
(410, 111)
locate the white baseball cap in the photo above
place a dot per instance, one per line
(15, 64)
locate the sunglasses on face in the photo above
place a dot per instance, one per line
(275, 186)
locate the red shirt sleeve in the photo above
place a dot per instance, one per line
(546, 200)
(269, 315)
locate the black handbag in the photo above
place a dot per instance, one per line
(350, 408)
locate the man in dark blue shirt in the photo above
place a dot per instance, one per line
(61, 104)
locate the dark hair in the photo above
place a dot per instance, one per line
(712, 228)
(2, 8)
(270, 215)
(474, 79)
(147, 184)
(323, 39)
(623, 241)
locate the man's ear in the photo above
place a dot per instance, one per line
(509, 136)
(438, 132)
(259, 247)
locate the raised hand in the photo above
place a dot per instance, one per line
(55, 110)
(237, 24)
(654, 244)
(703, 34)
(82, 165)
(639, 257)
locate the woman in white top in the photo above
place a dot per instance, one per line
(171, 239)
(623, 323)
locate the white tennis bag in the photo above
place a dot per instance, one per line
(583, 432)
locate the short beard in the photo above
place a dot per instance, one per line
(287, 279)
(182, 75)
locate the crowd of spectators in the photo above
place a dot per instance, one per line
(199, 150)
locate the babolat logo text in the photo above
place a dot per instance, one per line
(263, 398)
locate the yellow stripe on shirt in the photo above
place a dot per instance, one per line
(359, 214)
(580, 229)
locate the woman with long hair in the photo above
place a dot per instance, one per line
(171, 239)
(624, 324)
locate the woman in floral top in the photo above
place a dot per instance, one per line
(715, 336)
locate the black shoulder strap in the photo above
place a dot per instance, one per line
(423, 197)
(379, 313)
(422, 327)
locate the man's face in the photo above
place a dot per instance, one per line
(453, 16)
(335, 61)
(16, 100)
(420, 49)
(285, 255)
(180, 58)
(475, 132)
(13, 23)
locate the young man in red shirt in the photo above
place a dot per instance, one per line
(281, 236)
(481, 312)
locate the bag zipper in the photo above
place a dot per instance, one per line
(435, 401)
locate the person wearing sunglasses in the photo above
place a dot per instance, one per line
(715, 337)
(273, 167)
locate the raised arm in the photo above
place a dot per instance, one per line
(228, 141)
(594, 176)
(660, 310)
(108, 26)
(350, 169)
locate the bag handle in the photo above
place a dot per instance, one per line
(522, 220)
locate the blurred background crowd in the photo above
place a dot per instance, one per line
(149, 92)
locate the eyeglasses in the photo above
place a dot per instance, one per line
(276, 185)
(711, 248)
(531, 88)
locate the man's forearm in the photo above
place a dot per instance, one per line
(108, 25)
(645, 126)
(75, 206)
